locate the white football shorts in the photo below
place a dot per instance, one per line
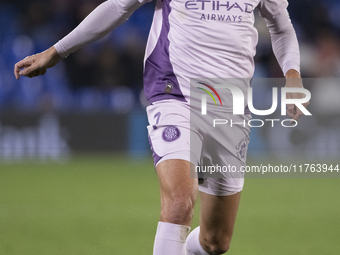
(173, 136)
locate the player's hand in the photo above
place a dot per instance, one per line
(293, 80)
(36, 64)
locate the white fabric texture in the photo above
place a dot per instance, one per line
(284, 42)
(170, 239)
(193, 244)
(113, 13)
(102, 20)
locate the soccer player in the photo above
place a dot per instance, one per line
(190, 39)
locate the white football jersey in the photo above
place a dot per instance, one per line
(194, 39)
(206, 38)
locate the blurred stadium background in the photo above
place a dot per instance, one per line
(76, 174)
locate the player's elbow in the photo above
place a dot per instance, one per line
(125, 7)
(279, 31)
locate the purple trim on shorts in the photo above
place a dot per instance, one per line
(158, 70)
(156, 158)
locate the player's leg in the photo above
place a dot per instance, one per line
(218, 215)
(178, 191)
(178, 196)
(170, 137)
(220, 194)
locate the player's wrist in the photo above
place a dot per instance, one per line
(52, 57)
(292, 73)
(54, 53)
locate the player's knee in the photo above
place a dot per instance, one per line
(183, 208)
(217, 248)
(179, 210)
(216, 244)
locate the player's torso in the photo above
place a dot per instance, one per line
(206, 38)
(214, 23)
(213, 31)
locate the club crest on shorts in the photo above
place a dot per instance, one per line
(242, 147)
(171, 133)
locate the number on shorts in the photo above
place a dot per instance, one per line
(157, 115)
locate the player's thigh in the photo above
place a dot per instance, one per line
(224, 151)
(170, 132)
(175, 179)
(170, 136)
(178, 191)
(217, 219)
